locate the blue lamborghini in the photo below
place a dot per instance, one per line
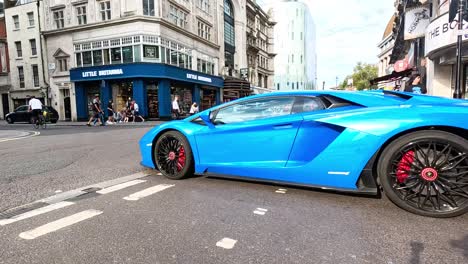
(412, 147)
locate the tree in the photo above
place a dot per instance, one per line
(362, 74)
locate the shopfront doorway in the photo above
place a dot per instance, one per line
(152, 96)
(5, 104)
(184, 91)
(92, 91)
(124, 94)
(208, 98)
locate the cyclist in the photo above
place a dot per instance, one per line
(35, 106)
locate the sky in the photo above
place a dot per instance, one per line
(348, 32)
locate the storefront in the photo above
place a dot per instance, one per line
(152, 85)
(441, 39)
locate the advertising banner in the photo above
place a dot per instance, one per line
(416, 22)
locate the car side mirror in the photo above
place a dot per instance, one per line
(206, 117)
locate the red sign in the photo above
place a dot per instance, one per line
(401, 65)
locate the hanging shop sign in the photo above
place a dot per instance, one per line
(416, 22)
(401, 65)
(440, 33)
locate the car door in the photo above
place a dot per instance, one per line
(254, 133)
(21, 114)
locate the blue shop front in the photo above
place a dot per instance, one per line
(153, 86)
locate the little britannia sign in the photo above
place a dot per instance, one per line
(102, 73)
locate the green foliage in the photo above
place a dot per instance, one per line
(362, 74)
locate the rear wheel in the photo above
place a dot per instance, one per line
(426, 173)
(173, 156)
(9, 120)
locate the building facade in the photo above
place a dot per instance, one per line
(295, 45)
(4, 70)
(386, 47)
(440, 49)
(27, 75)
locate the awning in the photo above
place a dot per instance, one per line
(393, 75)
(235, 83)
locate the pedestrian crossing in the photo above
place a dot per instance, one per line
(76, 218)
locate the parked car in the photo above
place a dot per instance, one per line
(414, 147)
(22, 114)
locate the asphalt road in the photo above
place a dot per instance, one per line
(151, 219)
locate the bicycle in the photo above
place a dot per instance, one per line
(40, 122)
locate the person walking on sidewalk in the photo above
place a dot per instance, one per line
(110, 112)
(136, 112)
(97, 112)
(175, 107)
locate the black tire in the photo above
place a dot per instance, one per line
(53, 121)
(9, 120)
(173, 156)
(426, 173)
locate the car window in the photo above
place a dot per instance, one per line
(22, 108)
(254, 110)
(307, 104)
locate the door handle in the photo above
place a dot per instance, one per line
(283, 126)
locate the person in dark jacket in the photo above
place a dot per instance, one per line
(415, 85)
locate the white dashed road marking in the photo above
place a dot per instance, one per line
(226, 243)
(35, 212)
(59, 224)
(120, 186)
(147, 192)
(260, 211)
(281, 191)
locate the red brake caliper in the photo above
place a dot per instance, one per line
(181, 160)
(404, 166)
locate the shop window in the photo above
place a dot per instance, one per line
(78, 60)
(174, 57)
(105, 53)
(208, 98)
(151, 52)
(97, 57)
(137, 53)
(124, 93)
(127, 53)
(182, 60)
(87, 59)
(116, 55)
(153, 102)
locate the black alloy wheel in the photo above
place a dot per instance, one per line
(173, 156)
(426, 173)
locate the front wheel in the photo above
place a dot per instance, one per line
(173, 156)
(9, 120)
(426, 173)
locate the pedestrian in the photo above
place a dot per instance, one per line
(175, 107)
(97, 112)
(136, 112)
(415, 86)
(110, 112)
(35, 106)
(194, 108)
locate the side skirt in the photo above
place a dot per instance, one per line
(361, 191)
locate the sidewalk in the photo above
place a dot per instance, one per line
(69, 123)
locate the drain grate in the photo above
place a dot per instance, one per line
(21, 210)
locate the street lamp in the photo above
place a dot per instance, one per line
(458, 77)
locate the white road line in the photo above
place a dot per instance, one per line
(120, 186)
(226, 243)
(35, 212)
(281, 191)
(59, 224)
(147, 192)
(260, 211)
(23, 137)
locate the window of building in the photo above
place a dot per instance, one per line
(105, 9)
(301, 35)
(35, 70)
(177, 16)
(229, 37)
(81, 15)
(21, 76)
(58, 19)
(204, 5)
(302, 59)
(116, 56)
(148, 7)
(31, 19)
(19, 50)
(127, 54)
(204, 30)
(97, 57)
(62, 64)
(151, 52)
(32, 42)
(16, 22)
(292, 58)
(87, 59)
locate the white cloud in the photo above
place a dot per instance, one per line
(347, 32)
